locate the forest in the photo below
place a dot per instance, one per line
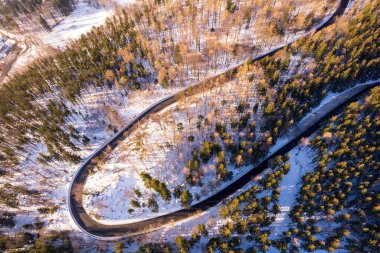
(278, 101)
(337, 202)
(214, 133)
(129, 51)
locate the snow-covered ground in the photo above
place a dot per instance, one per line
(107, 198)
(80, 21)
(56, 192)
(161, 150)
(61, 220)
(301, 161)
(110, 188)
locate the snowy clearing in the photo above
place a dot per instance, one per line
(301, 161)
(80, 21)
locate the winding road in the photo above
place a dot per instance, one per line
(309, 125)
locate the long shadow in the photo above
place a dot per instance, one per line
(108, 232)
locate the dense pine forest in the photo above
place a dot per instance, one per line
(169, 45)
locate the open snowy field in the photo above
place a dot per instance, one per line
(80, 21)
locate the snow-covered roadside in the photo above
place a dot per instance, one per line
(28, 55)
(301, 161)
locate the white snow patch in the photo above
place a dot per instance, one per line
(300, 162)
(79, 22)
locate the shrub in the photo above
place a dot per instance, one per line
(186, 198)
(152, 204)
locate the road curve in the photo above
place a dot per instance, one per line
(114, 232)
